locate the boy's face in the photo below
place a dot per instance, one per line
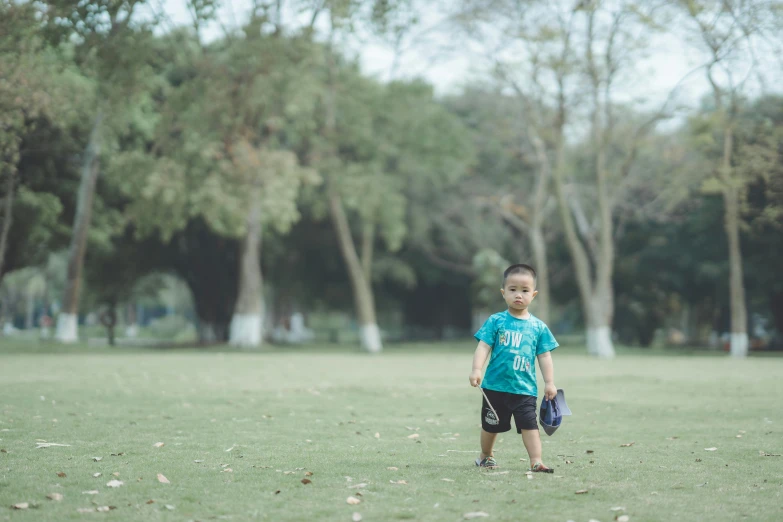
(519, 291)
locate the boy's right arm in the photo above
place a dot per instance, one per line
(479, 358)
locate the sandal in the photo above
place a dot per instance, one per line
(487, 462)
(540, 468)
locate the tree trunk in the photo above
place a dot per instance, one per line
(208, 265)
(132, 328)
(8, 216)
(67, 322)
(247, 322)
(538, 244)
(598, 331)
(739, 314)
(361, 286)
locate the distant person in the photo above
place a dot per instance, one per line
(45, 322)
(512, 339)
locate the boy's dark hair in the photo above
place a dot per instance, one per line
(520, 268)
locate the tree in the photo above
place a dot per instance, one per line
(733, 32)
(223, 154)
(358, 171)
(529, 51)
(32, 94)
(516, 172)
(111, 44)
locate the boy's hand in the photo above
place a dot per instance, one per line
(550, 391)
(475, 378)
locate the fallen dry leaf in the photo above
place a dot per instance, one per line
(475, 514)
(765, 454)
(589, 451)
(618, 508)
(170, 507)
(623, 518)
(3, 450)
(392, 468)
(97, 459)
(229, 470)
(61, 474)
(21, 505)
(357, 486)
(116, 474)
(398, 482)
(356, 517)
(581, 492)
(104, 509)
(158, 444)
(55, 496)
(353, 501)
(120, 454)
(377, 435)
(308, 473)
(413, 436)
(162, 479)
(91, 492)
(85, 510)
(150, 501)
(447, 480)
(306, 481)
(96, 475)
(710, 449)
(627, 445)
(198, 461)
(115, 483)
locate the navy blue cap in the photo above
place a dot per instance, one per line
(551, 413)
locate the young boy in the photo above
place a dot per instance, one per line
(513, 338)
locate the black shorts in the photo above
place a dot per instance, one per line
(522, 407)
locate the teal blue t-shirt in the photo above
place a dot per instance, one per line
(515, 344)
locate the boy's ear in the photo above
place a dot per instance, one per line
(535, 293)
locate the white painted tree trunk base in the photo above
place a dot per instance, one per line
(599, 342)
(738, 346)
(132, 331)
(67, 328)
(246, 330)
(371, 338)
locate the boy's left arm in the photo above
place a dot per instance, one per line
(548, 372)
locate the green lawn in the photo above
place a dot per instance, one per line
(242, 429)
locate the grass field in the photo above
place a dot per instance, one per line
(241, 431)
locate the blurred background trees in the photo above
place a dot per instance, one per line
(246, 181)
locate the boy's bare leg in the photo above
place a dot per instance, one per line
(532, 441)
(487, 443)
